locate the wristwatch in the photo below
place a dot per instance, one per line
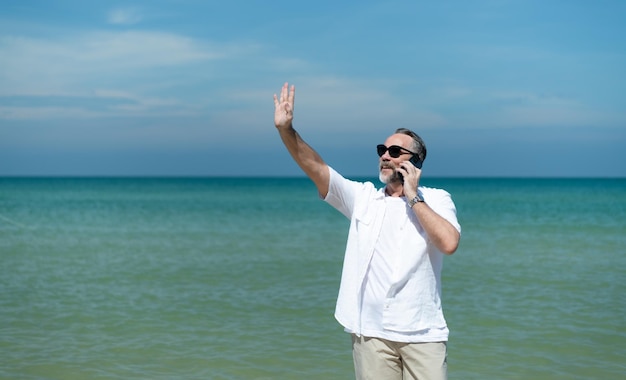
(418, 198)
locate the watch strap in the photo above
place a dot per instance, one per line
(418, 198)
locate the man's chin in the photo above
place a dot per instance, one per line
(388, 178)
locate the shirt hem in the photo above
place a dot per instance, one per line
(428, 337)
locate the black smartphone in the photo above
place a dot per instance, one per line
(415, 161)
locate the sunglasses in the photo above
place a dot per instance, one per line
(394, 150)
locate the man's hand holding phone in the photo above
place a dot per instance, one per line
(410, 173)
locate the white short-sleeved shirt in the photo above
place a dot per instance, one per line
(391, 279)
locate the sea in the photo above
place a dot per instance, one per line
(236, 278)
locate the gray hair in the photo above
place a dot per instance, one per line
(418, 144)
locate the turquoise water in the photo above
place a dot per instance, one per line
(237, 279)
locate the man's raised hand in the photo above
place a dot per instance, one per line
(283, 113)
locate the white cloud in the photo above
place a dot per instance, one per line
(124, 16)
(142, 49)
(96, 104)
(132, 64)
(29, 65)
(44, 113)
(554, 116)
(513, 109)
(332, 104)
(530, 98)
(120, 49)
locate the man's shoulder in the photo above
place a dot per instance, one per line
(357, 184)
(433, 190)
(434, 194)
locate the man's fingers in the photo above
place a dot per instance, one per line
(284, 92)
(287, 96)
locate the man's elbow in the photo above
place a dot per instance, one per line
(448, 250)
(450, 245)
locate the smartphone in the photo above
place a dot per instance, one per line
(415, 161)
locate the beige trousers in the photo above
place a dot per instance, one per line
(380, 359)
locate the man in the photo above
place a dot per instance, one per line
(390, 294)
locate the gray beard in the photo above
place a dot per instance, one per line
(395, 177)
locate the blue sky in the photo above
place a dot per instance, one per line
(495, 88)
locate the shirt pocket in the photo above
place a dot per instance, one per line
(364, 214)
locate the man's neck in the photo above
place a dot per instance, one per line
(394, 189)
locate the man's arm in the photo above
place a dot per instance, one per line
(441, 232)
(309, 161)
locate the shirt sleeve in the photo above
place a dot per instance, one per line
(341, 193)
(441, 202)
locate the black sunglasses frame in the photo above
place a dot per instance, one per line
(395, 151)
